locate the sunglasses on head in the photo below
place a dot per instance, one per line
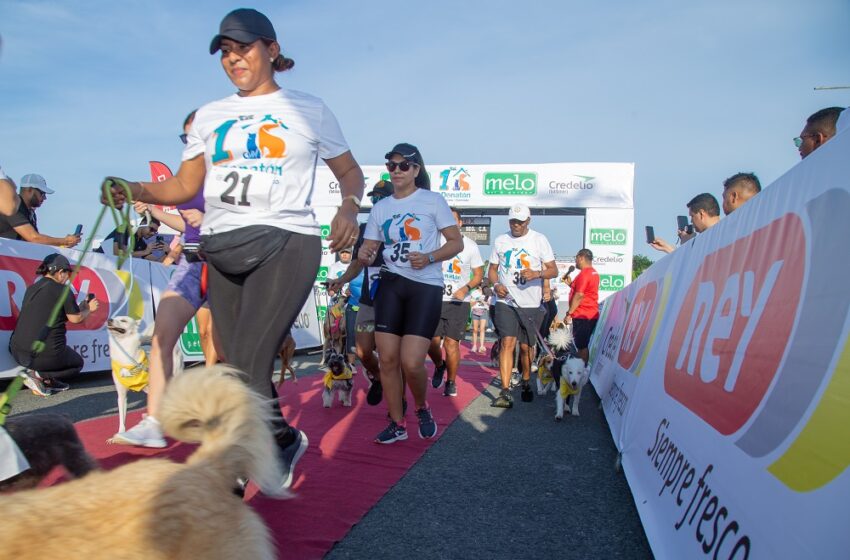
(403, 165)
(184, 138)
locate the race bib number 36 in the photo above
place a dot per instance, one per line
(241, 189)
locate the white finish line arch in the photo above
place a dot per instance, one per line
(601, 192)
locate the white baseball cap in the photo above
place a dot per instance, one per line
(35, 181)
(519, 212)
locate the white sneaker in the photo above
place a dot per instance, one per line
(34, 382)
(146, 433)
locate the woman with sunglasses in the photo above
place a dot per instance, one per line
(255, 155)
(410, 288)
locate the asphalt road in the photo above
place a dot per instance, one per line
(500, 484)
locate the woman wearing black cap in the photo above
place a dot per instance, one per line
(410, 289)
(255, 154)
(57, 359)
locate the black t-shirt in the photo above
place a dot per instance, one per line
(22, 216)
(366, 292)
(38, 303)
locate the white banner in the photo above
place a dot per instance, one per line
(724, 372)
(608, 234)
(125, 292)
(548, 185)
(135, 290)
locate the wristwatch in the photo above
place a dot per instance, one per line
(430, 258)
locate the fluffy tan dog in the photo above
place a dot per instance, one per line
(155, 509)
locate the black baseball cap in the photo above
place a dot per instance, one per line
(408, 152)
(244, 25)
(382, 188)
(54, 262)
(411, 153)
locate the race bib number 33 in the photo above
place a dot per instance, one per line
(241, 189)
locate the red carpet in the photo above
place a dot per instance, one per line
(342, 475)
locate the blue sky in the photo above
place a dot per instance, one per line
(691, 92)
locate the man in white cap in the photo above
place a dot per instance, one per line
(23, 225)
(520, 261)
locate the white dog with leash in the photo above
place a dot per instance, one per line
(130, 362)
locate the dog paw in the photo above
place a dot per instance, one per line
(558, 418)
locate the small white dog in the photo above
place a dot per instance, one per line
(130, 361)
(573, 376)
(339, 378)
(568, 370)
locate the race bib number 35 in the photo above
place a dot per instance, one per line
(241, 189)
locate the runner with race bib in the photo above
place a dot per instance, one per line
(520, 260)
(255, 155)
(461, 274)
(407, 302)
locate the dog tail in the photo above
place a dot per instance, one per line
(213, 407)
(561, 339)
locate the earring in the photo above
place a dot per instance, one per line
(271, 60)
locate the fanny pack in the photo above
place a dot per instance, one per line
(192, 252)
(242, 250)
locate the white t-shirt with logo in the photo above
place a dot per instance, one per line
(261, 154)
(515, 254)
(458, 269)
(407, 225)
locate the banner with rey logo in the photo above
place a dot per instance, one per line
(724, 373)
(135, 290)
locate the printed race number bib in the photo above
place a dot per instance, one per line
(241, 189)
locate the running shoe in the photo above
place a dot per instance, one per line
(289, 456)
(527, 395)
(504, 400)
(56, 386)
(439, 371)
(391, 434)
(451, 389)
(147, 433)
(376, 392)
(35, 383)
(427, 426)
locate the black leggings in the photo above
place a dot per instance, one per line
(254, 311)
(51, 366)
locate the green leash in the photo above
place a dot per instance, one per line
(122, 225)
(8, 395)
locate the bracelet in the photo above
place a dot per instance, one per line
(353, 198)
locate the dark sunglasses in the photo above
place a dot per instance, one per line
(404, 166)
(184, 138)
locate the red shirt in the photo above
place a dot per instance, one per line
(587, 282)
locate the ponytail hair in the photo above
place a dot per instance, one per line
(282, 64)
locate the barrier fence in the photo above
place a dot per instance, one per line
(135, 290)
(724, 372)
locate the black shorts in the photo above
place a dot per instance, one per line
(453, 318)
(406, 307)
(582, 331)
(519, 323)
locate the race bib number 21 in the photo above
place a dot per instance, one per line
(241, 188)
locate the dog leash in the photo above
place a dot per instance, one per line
(122, 224)
(540, 338)
(7, 396)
